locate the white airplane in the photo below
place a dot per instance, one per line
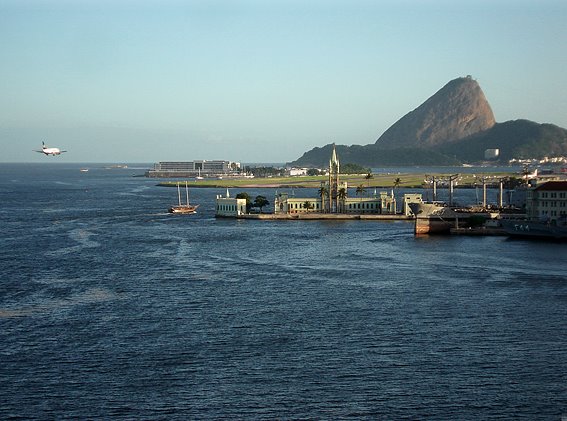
(49, 151)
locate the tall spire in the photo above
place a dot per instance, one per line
(334, 160)
(333, 181)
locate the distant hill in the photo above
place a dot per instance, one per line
(456, 125)
(372, 155)
(515, 139)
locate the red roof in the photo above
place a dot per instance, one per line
(553, 186)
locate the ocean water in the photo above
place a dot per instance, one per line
(110, 308)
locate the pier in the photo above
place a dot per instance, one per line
(319, 216)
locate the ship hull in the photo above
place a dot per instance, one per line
(433, 218)
(183, 209)
(432, 225)
(535, 230)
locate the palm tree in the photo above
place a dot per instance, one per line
(323, 192)
(397, 182)
(360, 190)
(368, 177)
(342, 195)
(308, 205)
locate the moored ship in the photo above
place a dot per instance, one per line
(439, 218)
(544, 230)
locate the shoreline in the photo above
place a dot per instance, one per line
(320, 216)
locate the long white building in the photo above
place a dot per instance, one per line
(193, 168)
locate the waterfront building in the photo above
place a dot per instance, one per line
(547, 201)
(411, 198)
(382, 203)
(332, 201)
(333, 198)
(229, 206)
(193, 168)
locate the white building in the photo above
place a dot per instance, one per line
(297, 172)
(193, 168)
(229, 206)
(547, 201)
(491, 154)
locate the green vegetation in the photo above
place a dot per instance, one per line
(313, 171)
(260, 202)
(244, 195)
(377, 181)
(373, 155)
(308, 205)
(354, 169)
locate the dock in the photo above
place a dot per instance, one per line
(304, 216)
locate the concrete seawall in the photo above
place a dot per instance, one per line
(319, 216)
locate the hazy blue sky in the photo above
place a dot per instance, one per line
(260, 81)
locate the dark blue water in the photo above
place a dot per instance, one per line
(110, 308)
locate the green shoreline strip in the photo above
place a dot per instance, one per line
(377, 181)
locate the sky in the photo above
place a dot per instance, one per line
(259, 81)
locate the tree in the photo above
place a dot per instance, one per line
(313, 172)
(360, 190)
(323, 192)
(342, 195)
(260, 202)
(350, 168)
(244, 195)
(308, 205)
(397, 182)
(368, 177)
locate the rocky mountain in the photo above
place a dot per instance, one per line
(457, 110)
(455, 125)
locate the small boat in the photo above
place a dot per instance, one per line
(198, 177)
(84, 170)
(183, 208)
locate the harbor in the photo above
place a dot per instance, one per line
(540, 203)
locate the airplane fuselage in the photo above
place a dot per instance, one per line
(51, 151)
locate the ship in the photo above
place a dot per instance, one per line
(542, 230)
(183, 208)
(439, 218)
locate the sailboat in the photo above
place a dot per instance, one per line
(183, 208)
(199, 176)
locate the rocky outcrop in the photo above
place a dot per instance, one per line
(453, 126)
(456, 111)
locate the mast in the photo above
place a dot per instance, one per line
(178, 194)
(187, 192)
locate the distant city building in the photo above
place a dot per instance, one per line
(491, 154)
(193, 168)
(294, 172)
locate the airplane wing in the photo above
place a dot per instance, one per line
(35, 150)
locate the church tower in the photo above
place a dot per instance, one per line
(333, 182)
